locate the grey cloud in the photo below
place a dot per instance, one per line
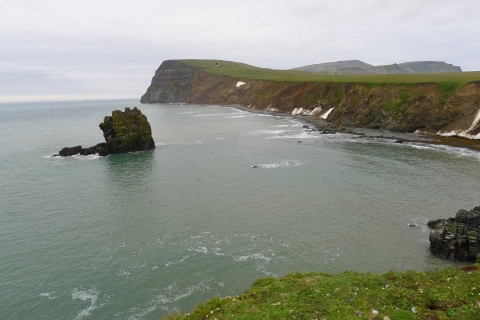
(115, 46)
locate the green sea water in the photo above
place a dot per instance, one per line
(226, 197)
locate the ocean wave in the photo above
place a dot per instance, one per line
(76, 156)
(287, 125)
(89, 295)
(173, 263)
(300, 135)
(264, 131)
(455, 151)
(48, 295)
(235, 117)
(170, 295)
(254, 256)
(281, 164)
(89, 157)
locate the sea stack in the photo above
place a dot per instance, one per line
(126, 131)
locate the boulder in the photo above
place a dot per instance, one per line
(126, 131)
(456, 238)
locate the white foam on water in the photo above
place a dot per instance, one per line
(186, 112)
(286, 125)
(202, 250)
(234, 117)
(241, 259)
(48, 295)
(281, 164)
(170, 295)
(300, 135)
(255, 256)
(264, 131)
(89, 157)
(173, 263)
(89, 295)
(208, 115)
(455, 151)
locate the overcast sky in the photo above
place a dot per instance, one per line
(53, 49)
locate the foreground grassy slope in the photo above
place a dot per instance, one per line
(240, 70)
(441, 294)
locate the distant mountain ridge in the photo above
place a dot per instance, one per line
(360, 67)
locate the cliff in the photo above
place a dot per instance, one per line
(444, 104)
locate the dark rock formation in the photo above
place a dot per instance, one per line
(100, 148)
(126, 131)
(456, 238)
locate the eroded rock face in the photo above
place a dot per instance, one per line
(456, 238)
(126, 131)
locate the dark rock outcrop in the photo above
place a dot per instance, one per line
(100, 148)
(456, 238)
(126, 131)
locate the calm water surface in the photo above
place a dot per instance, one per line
(138, 235)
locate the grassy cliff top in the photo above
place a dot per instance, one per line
(245, 71)
(438, 294)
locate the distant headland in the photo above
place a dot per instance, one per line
(432, 98)
(360, 67)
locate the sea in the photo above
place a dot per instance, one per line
(227, 197)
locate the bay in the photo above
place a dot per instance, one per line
(226, 197)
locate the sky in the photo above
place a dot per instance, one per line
(110, 49)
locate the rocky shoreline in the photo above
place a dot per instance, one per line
(457, 238)
(323, 126)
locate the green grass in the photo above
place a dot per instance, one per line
(440, 294)
(239, 70)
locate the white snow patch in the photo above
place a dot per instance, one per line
(240, 83)
(326, 114)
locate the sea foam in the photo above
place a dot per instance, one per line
(89, 295)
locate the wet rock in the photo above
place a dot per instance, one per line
(70, 151)
(456, 238)
(126, 131)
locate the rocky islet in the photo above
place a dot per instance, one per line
(124, 131)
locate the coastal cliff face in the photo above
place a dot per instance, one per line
(439, 108)
(171, 83)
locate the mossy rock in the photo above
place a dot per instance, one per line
(127, 131)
